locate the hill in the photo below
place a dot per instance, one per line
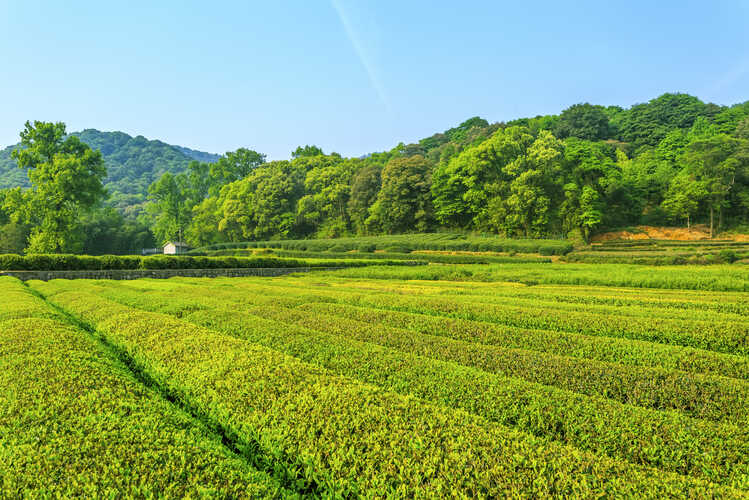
(132, 163)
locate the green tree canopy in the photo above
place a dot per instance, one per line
(66, 180)
(234, 166)
(404, 202)
(715, 162)
(683, 197)
(365, 185)
(648, 123)
(584, 121)
(169, 207)
(307, 150)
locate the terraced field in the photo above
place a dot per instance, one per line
(347, 384)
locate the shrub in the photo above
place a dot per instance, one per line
(727, 256)
(398, 249)
(338, 248)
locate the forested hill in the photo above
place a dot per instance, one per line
(133, 163)
(674, 160)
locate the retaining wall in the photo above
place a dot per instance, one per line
(133, 274)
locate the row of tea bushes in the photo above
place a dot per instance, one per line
(330, 300)
(438, 258)
(17, 302)
(63, 262)
(345, 438)
(611, 349)
(698, 395)
(720, 335)
(730, 278)
(405, 243)
(75, 423)
(666, 440)
(725, 256)
(669, 243)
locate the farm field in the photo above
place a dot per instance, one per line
(481, 381)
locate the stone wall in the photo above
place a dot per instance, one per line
(157, 273)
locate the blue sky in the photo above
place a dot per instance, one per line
(351, 76)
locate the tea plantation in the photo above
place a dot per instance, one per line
(437, 381)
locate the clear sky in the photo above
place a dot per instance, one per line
(351, 76)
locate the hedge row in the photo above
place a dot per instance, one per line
(75, 424)
(664, 440)
(696, 395)
(528, 296)
(670, 243)
(17, 302)
(421, 257)
(343, 438)
(647, 311)
(407, 243)
(725, 256)
(729, 337)
(701, 396)
(708, 278)
(611, 349)
(14, 262)
(688, 302)
(602, 348)
(721, 336)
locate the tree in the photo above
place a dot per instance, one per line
(169, 207)
(742, 129)
(584, 121)
(106, 231)
(729, 118)
(527, 207)
(365, 185)
(203, 229)
(714, 162)
(263, 204)
(199, 182)
(307, 150)
(523, 203)
(13, 237)
(4, 215)
(594, 194)
(683, 197)
(66, 180)
(648, 124)
(404, 202)
(327, 184)
(233, 166)
(463, 187)
(590, 214)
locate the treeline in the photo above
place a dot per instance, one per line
(673, 160)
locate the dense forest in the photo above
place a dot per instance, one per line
(674, 160)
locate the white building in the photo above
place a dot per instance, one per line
(175, 248)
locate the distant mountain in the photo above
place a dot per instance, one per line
(133, 163)
(199, 155)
